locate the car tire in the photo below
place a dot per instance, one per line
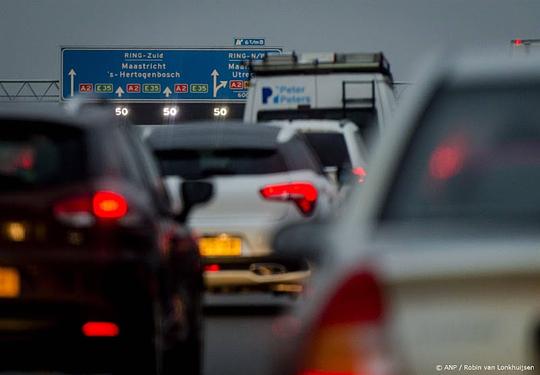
(144, 355)
(185, 354)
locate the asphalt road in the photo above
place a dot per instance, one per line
(238, 333)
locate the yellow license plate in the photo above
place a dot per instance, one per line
(220, 246)
(10, 283)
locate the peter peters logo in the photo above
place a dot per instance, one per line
(266, 94)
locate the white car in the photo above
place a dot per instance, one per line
(338, 144)
(263, 177)
(434, 266)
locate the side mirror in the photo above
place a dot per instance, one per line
(172, 187)
(194, 193)
(301, 241)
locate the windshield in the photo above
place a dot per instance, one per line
(330, 148)
(194, 164)
(476, 155)
(363, 118)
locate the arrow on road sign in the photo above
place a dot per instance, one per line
(167, 92)
(217, 87)
(72, 75)
(119, 91)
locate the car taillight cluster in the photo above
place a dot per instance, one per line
(348, 336)
(360, 174)
(303, 194)
(100, 329)
(109, 205)
(84, 209)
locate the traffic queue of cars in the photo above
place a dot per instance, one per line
(263, 177)
(426, 258)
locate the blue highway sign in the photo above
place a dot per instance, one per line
(145, 74)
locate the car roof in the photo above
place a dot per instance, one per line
(211, 135)
(491, 68)
(84, 118)
(462, 71)
(338, 126)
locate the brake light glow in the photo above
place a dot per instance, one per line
(212, 268)
(360, 173)
(73, 205)
(109, 205)
(26, 159)
(446, 162)
(303, 194)
(518, 42)
(82, 210)
(100, 329)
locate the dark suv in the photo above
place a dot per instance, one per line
(96, 273)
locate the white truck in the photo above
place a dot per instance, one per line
(354, 86)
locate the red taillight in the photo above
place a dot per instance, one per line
(518, 42)
(212, 268)
(75, 211)
(27, 159)
(100, 329)
(348, 338)
(357, 301)
(303, 194)
(73, 205)
(109, 205)
(446, 162)
(83, 209)
(360, 173)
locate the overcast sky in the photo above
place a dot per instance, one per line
(31, 32)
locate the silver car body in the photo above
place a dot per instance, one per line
(238, 209)
(356, 145)
(458, 298)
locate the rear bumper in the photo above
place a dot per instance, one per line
(268, 273)
(255, 234)
(36, 343)
(277, 283)
(59, 293)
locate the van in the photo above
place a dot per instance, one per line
(353, 86)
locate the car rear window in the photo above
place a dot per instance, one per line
(475, 155)
(330, 148)
(195, 164)
(364, 118)
(34, 156)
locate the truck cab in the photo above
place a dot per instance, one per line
(353, 86)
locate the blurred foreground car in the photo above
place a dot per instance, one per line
(434, 266)
(338, 144)
(263, 176)
(95, 272)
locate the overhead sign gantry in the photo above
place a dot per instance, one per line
(159, 74)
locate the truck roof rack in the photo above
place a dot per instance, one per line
(322, 63)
